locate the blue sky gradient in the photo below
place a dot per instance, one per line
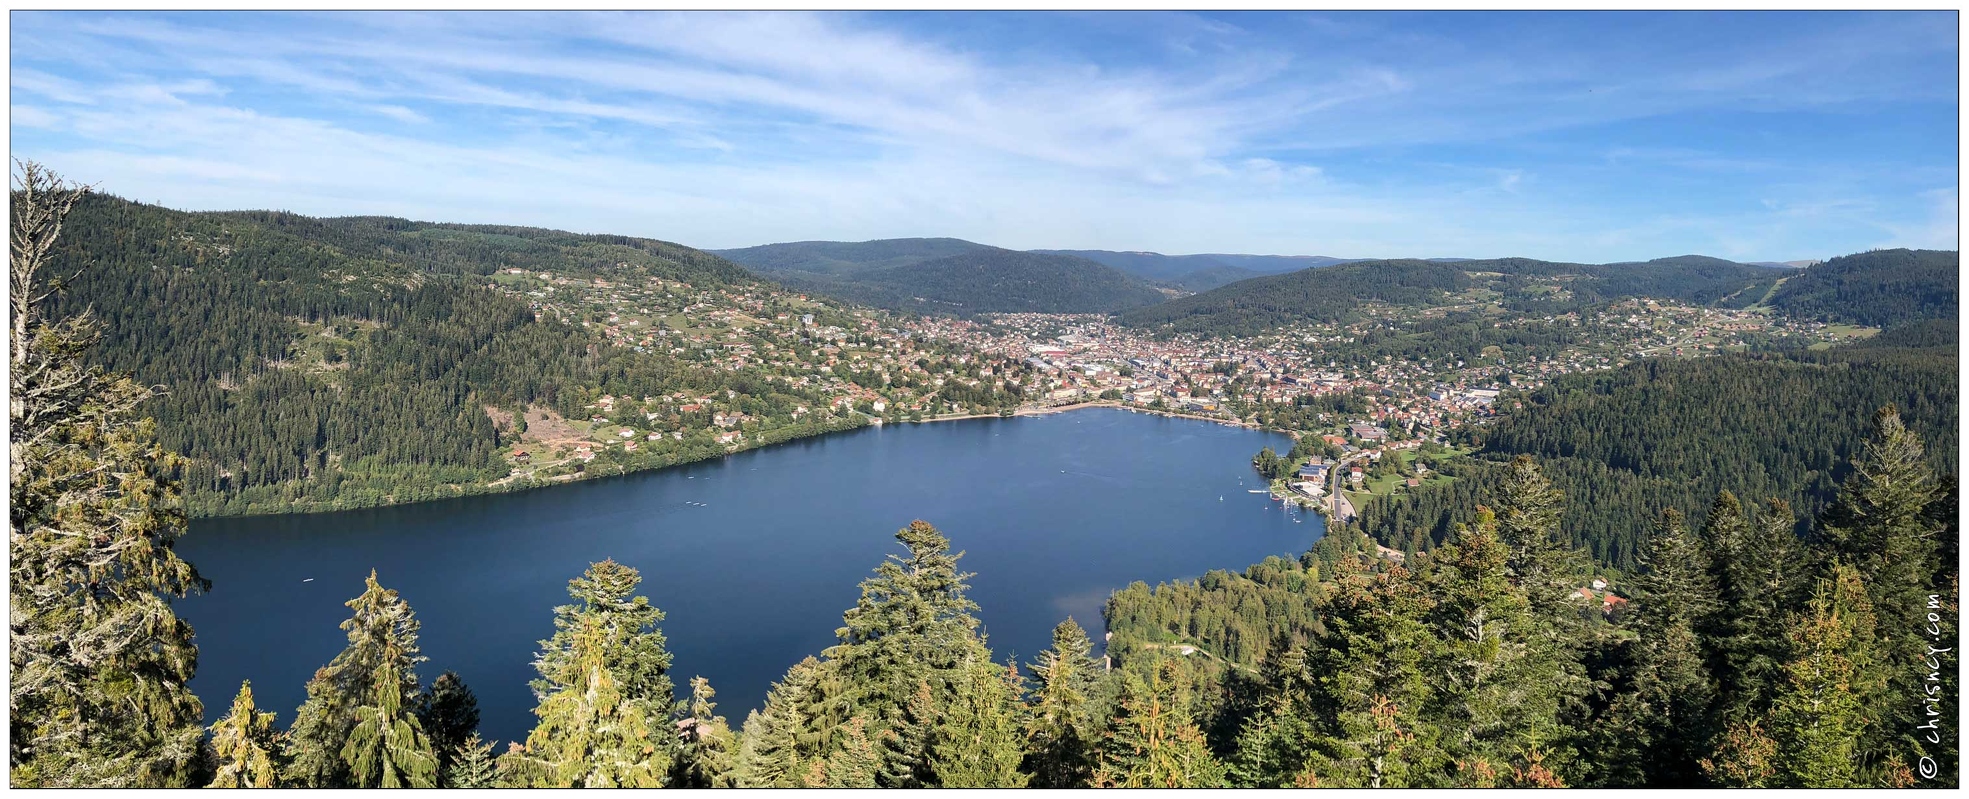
(1586, 137)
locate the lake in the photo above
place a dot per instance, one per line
(753, 556)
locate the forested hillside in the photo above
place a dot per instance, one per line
(1254, 306)
(324, 363)
(1879, 288)
(979, 280)
(1174, 268)
(843, 258)
(1669, 433)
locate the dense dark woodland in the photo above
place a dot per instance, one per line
(1747, 655)
(1883, 288)
(1671, 433)
(1330, 294)
(949, 277)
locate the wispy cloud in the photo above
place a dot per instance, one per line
(1578, 137)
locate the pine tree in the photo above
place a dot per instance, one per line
(771, 751)
(604, 691)
(1275, 746)
(1821, 712)
(911, 622)
(906, 740)
(638, 660)
(1546, 564)
(473, 766)
(449, 715)
(99, 663)
(387, 748)
(1663, 721)
(854, 763)
(244, 744)
(1880, 525)
(1152, 741)
(1060, 729)
(1758, 582)
(1370, 686)
(382, 633)
(1494, 702)
(977, 740)
(591, 734)
(704, 753)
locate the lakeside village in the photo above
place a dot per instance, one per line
(1371, 400)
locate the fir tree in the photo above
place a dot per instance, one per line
(1494, 701)
(771, 751)
(449, 715)
(99, 663)
(1152, 741)
(638, 661)
(1821, 710)
(473, 765)
(244, 745)
(705, 747)
(382, 633)
(913, 620)
(591, 734)
(1881, 525)
(1060, 729)
(855, 762)
(1663, 720)
(1370, 686)
(906, 740)
(387, 748)
(1758, 583)
(977, 740)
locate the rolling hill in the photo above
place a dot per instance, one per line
(842, 258)
(1881, 288)
(1327, 294)
(948, 276)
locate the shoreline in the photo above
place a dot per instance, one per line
(506, 485)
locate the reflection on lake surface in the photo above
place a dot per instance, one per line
(753, 557)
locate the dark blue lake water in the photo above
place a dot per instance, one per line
(753, 557)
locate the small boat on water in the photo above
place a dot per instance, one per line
(1256, 491)
(309, 580)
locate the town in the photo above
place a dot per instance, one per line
(1375, 389)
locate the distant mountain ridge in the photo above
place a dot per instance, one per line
(948, 276)
(1331, 293)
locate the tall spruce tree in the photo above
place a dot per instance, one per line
(1822, 710)
(1060, 728)
(911, 629)
(775, 747)
(388, 748)
(449, 715)
(705, 746)
(1495, 702)
(1152, 741)
(638, 660)
(604, 691)
(1664, 722)
(592, 734)
(1759, 581)
(977, 741)
(1369, 689)
(99, 663)
(244, 745)
(1881, 525)
(382, 633)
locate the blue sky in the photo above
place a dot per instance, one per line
(1587, 137)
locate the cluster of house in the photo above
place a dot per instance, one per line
(1598, 593)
